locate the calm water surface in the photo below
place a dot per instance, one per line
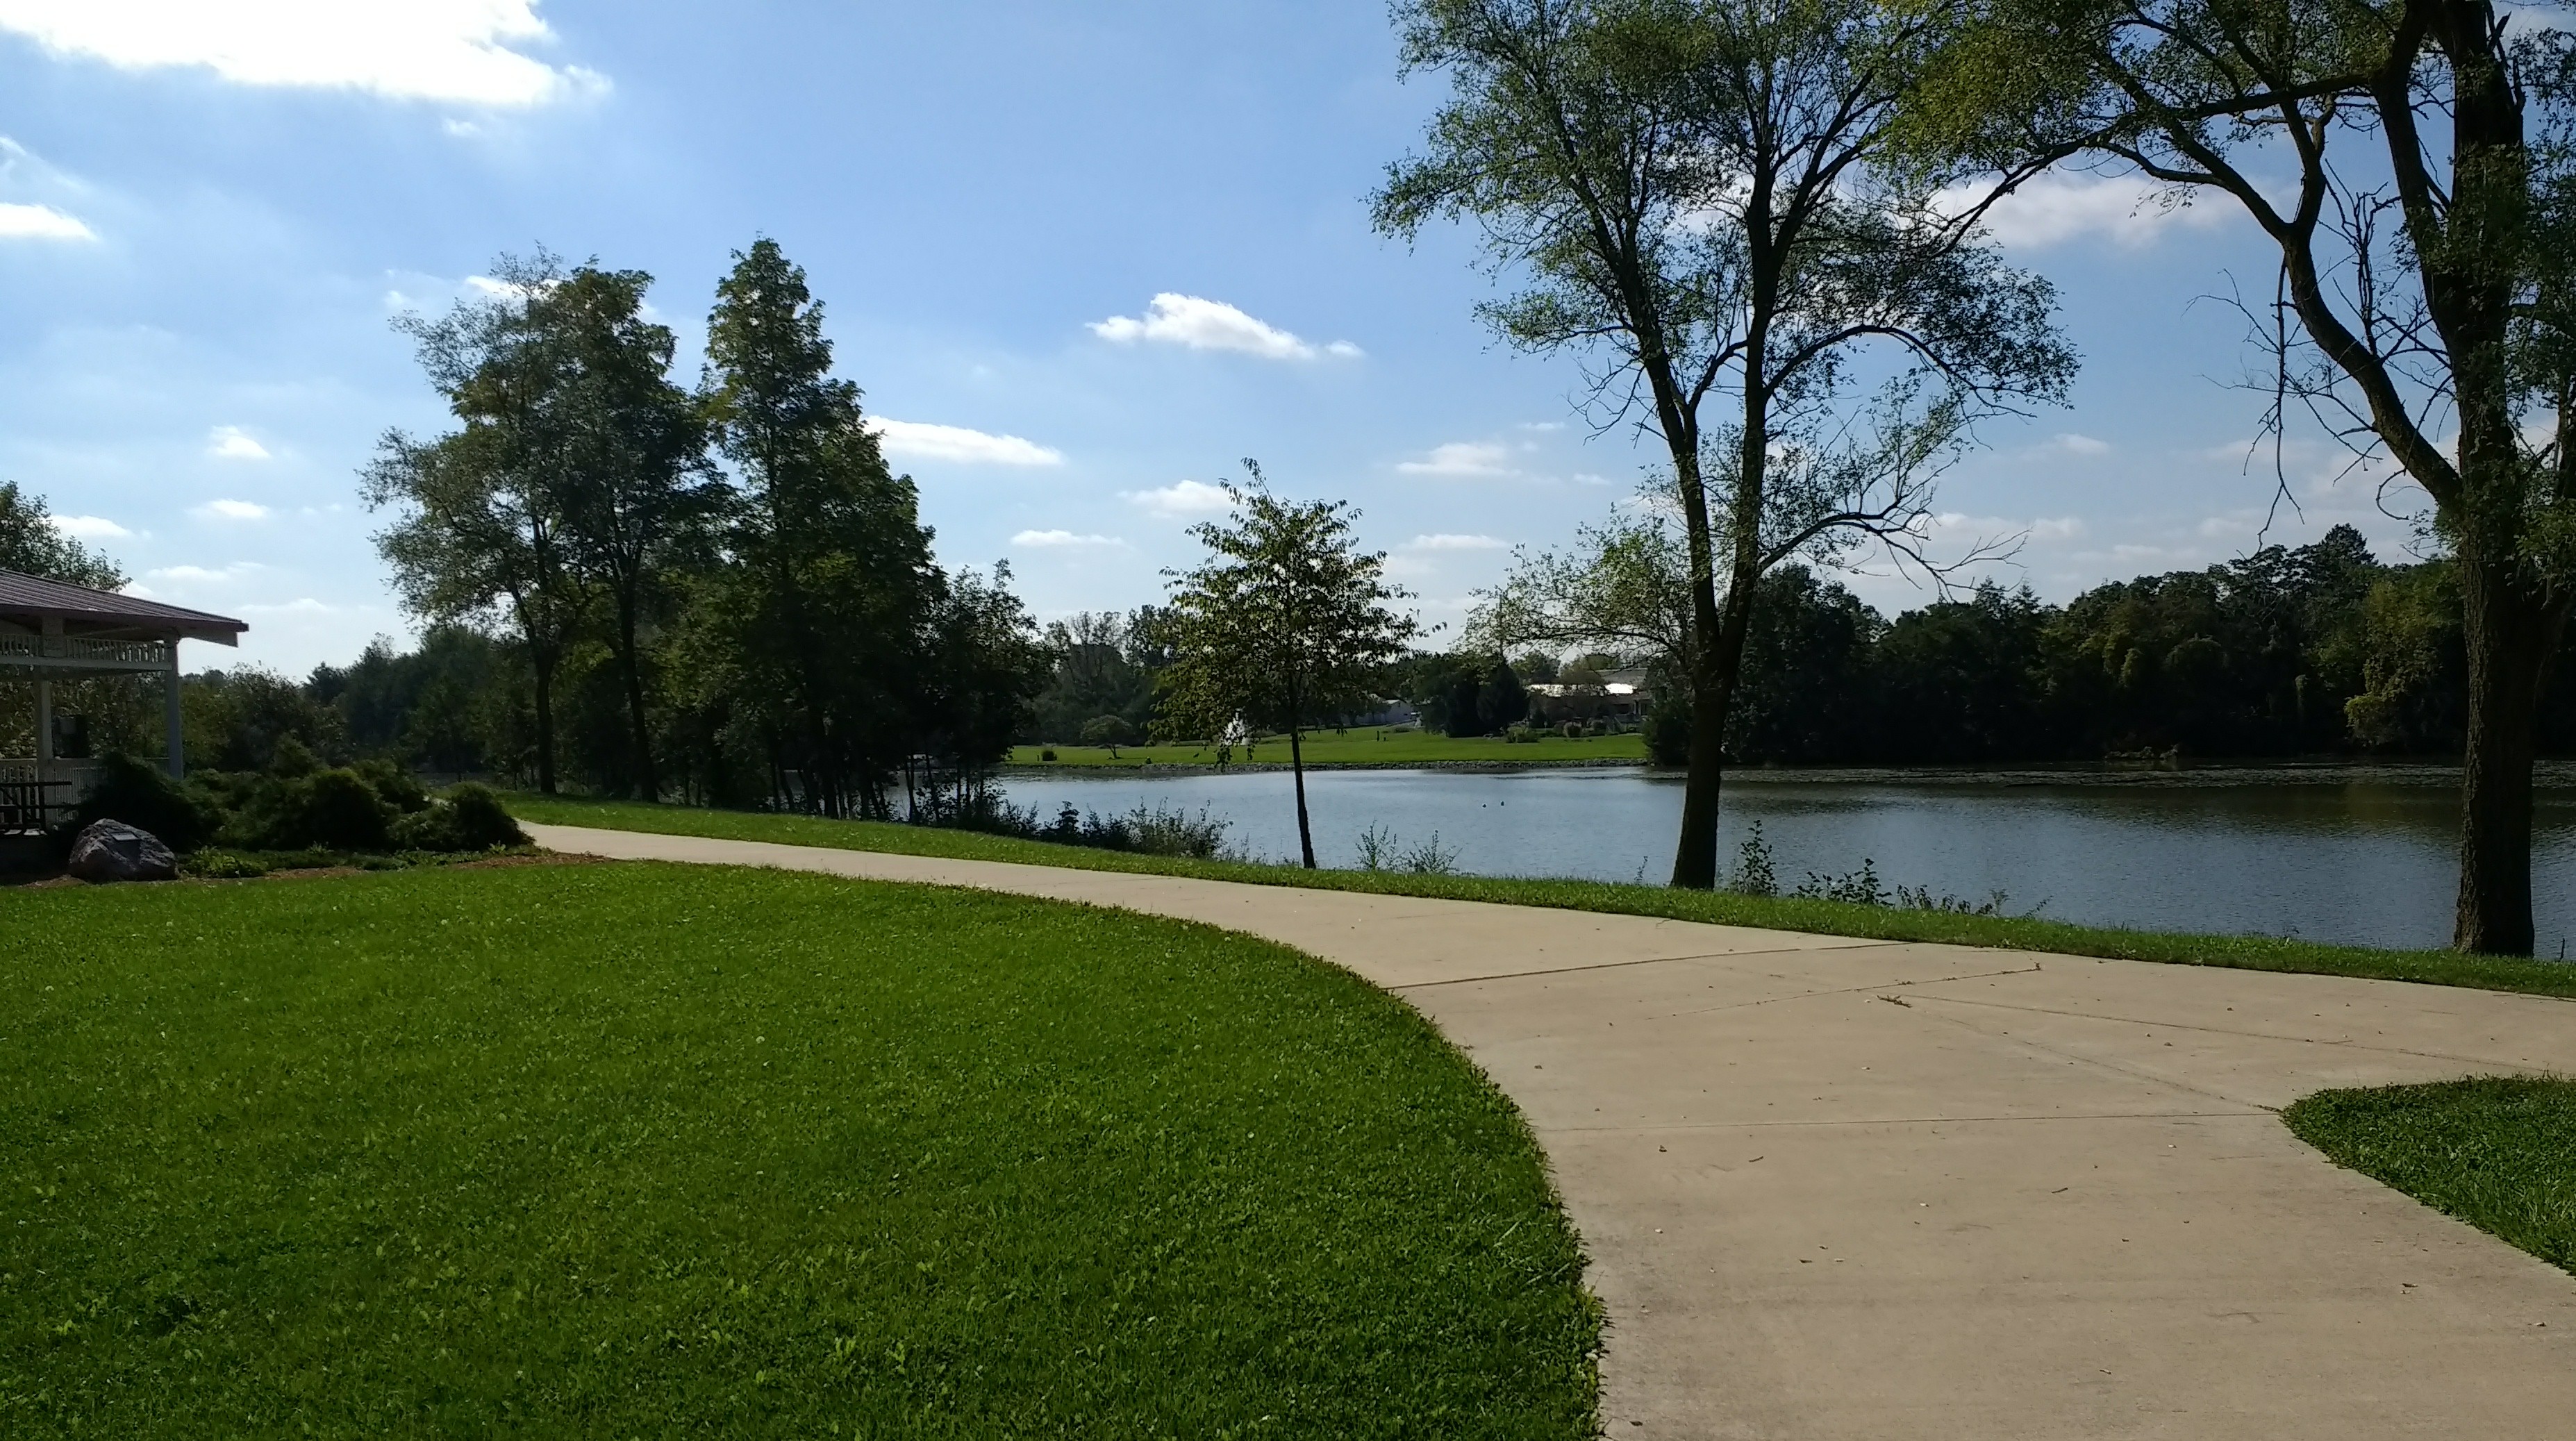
(2363, 861)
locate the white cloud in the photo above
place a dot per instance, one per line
(465, 51)
(1062, 540)
(2074, 444)
(40, 222)
(2054, 208)
(1446, 541)
(1202, 324)
(1183, 499)
(198, 574)
(231, 442)
(1461, 457)
(918, 441)
(230, 510)
(485, 285)
(91, 527)
(1998, 527)
(305, 606)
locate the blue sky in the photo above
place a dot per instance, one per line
(1081, 258)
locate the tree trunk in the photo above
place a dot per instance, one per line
(1297, 768)
(2511, 634)
(1695, 853)
(647, 783)
(1719, 655)
(545, 670)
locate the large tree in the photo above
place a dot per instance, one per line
(2414, 163)
(483, 512)
(32, 544)
(1699, 190)
(1284, 624)
(640, 494)
(831, 600)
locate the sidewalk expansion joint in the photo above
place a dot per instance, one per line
(2344, 1042)
(1656, 961)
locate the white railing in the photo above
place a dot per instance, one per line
(82, 775)
(77, 650)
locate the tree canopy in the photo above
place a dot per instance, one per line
(2424, 309)
(1285, 623)
(1704, 194)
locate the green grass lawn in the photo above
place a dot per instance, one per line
(2262, 953)
(2498, 1152)
(629, 1150)
(1377, 747)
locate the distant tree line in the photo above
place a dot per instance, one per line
(2310, 651)
(2320, 649)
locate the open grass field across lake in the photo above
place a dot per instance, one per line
(635, 1150)
(1376, 746)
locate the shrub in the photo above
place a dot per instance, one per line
(1571, 730)
(393, 785)
(468, 818)
(343, 811)
(1860, 888)
(1668, 734)
(1754, 875)
(482, 820)
(292, 760)
(334, 808)
(1048, 754)
(219, 865)
(141, 795)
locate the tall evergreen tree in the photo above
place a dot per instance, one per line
(639, 493)
(822, 616)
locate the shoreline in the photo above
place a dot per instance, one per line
(2547, 774)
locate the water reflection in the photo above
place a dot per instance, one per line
(2362, 861)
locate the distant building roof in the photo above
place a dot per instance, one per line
(32, 600)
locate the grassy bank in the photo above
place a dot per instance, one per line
(2497, 1152)
(1375, 747)
(629, 1150)
(2262, 953)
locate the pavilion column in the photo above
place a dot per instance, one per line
(178, 749)
(44, 727)
(53, 629)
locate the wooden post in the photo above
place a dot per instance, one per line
(177, 755)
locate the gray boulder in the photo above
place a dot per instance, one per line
(114, 851)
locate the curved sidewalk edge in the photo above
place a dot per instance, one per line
(1839, 1188)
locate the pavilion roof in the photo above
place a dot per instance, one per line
(33, 599)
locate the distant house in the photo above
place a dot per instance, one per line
(1622, 695)
(1382, 711)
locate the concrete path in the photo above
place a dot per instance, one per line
(1851, 1189)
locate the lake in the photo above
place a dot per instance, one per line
(2356, 855)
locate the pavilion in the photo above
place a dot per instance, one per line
(51, 632)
